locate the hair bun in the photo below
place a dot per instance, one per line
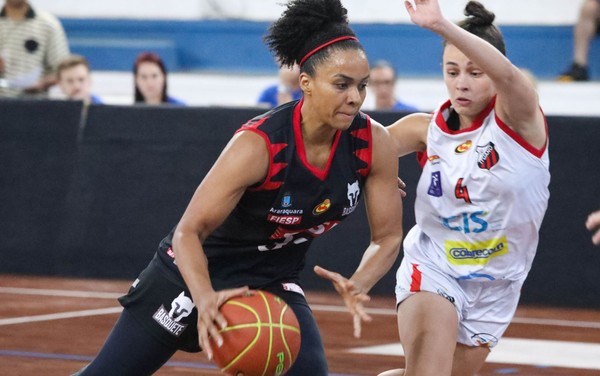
(478, 15)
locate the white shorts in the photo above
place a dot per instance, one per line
(484, 308)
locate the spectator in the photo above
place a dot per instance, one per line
(383, 84)
(586, 28)
(150, 77)
(33, 42)
(288, 88)
(75, 80)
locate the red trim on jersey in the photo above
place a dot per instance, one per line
(415, 283)
(477, 122)
(297, 120)
(520, 140)
(273, 149)
(422, 158)
(366, 154)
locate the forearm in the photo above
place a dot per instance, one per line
(192, 263)
(376, 262)
(479, 51)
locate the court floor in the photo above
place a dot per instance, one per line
(54, 326)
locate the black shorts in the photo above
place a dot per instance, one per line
(161, 303)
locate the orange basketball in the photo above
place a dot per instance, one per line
(262, 337)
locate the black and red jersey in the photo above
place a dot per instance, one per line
(265, 238)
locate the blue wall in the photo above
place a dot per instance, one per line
(237, 46)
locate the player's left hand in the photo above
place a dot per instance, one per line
(593, 222)
(353, 297)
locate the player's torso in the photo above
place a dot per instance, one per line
(481, 199)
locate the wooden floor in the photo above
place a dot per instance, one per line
(54, 326)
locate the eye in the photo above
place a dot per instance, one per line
(342, 86)
(363, 86)
(451, 73)
(476, 73)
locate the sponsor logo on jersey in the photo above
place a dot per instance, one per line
(463, 147)
(465, 253)
(286, 211)
(286, 201)
(467, 222)
(285, 219)
(283, 236)
(435, 186)
(434, 159)
(181, 307)
(488, 156)
(353, 194)
(322, 207)
(484, 340)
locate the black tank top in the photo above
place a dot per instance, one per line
(265, 238)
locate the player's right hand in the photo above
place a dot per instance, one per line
(210, 320)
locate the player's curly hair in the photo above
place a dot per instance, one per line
(306, 25)
(480, 22)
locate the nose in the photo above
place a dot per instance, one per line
(354, 95)
(462, 82)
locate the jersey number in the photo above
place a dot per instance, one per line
(461, 191)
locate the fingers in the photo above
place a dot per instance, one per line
(332, 276)
(593, 221)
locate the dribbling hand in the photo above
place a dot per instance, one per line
(210, 320)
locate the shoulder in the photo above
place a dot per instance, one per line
(47, 18)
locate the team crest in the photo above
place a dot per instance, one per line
(488, 156)
(352, 194)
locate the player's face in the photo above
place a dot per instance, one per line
(338, 88)
(469, 88)
(382, 83)
(151, 81)
(76, 83)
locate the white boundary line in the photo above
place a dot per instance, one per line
(60, 316)
(315, 307)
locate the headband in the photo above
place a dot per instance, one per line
(318, 48)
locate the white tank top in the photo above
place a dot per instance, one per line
(480, 200)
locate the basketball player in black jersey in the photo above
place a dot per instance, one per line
(286, 177)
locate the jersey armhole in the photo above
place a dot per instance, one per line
(520, 140)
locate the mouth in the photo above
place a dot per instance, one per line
(462, 101)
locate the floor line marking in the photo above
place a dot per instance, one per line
(315, 307)
(60, 316)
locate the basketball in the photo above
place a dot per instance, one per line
(262, 337)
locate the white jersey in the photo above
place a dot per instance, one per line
(481, 200)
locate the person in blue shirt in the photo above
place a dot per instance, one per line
(150, 80)
(287, 90)
(382, 82)
(75, 80)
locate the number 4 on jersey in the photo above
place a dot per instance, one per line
(461, 191)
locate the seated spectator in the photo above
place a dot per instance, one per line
(75, 80)
(32, 43)
(586, 28)
(288, 88)
(382, 82)
(150, 76)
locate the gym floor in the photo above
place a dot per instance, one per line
(54, 326)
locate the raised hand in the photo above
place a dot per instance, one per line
(353, 297)
(424, 13)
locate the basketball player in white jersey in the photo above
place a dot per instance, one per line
(480, 200)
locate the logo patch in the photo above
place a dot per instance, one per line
(488, 156)
(286, 201)
(484, 340)
(463, 147)
(434, 159)
(465, 253)
(285, 219)
(181, 307)
(353, 195)
(322, 207)
(435, 186)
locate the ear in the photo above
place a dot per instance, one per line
(306, 83)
